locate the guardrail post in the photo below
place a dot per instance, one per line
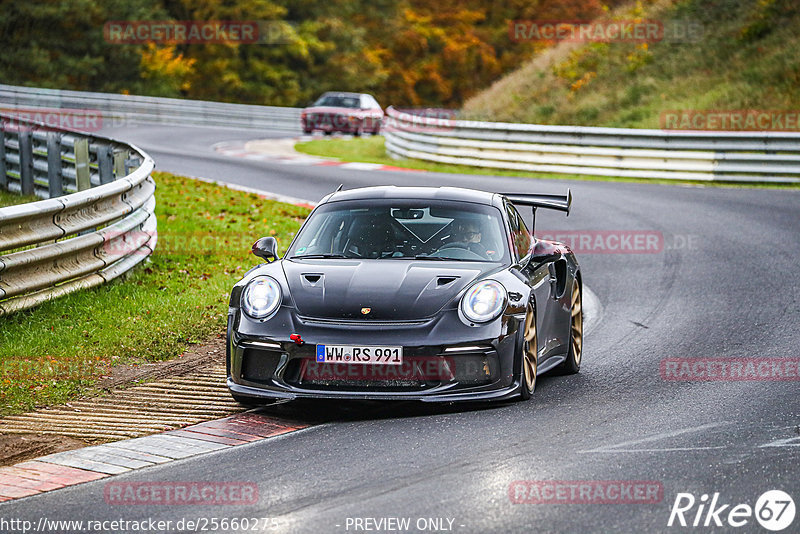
(119, 163)
(105, 163)
(55, 179)
(26, 162)
(3, 176)
(82, 174)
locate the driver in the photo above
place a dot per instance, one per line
(469, 233)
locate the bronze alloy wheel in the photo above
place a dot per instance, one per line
(529, 355)
(573, 362)
(576, 324)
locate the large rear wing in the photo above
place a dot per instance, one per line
(552, 202)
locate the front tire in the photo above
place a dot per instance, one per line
(530, 356)
(573, 362)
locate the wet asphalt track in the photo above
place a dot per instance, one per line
(725, 285)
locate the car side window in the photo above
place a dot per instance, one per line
(521, 237)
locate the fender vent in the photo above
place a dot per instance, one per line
(561, 277)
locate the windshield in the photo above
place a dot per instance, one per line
(339, 101)
(398, 229)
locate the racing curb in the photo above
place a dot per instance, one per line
(249, 150)
(69, 468)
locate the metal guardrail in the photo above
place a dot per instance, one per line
(617, 152)
(100, 229)
(116, 109)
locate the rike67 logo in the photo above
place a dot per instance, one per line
(774, 510)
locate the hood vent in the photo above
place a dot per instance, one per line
(311, 279)
(445, 280)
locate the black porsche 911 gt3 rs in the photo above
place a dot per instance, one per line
(432, 294)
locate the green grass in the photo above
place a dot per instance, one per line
(746, 58)
(10, 199)
(54, 352)
(372, 150)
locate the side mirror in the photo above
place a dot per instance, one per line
(266, 248)
(544, 251)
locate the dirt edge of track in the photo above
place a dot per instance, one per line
(15, 448)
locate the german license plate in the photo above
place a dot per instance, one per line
(360, 354)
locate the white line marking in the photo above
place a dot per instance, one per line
(669, 449)
(785, 442)
(656, 437)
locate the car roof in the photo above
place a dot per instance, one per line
(341, 93)
(393, 191)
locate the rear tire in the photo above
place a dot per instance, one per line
(530, 356)
(572, 364)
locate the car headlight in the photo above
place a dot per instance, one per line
(484, 301)
(261, 297)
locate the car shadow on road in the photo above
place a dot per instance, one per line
(317, 411)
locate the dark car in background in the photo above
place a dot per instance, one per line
(353, 113)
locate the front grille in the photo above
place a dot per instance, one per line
(358, 322)
(418, 372)
(474, 369)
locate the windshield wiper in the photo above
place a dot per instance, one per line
(318, 256)
(434, 258)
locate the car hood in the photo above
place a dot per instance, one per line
(390, 289)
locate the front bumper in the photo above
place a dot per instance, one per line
(444, 360)
(332, 124)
